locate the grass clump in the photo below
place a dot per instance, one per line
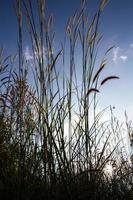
(53, 144)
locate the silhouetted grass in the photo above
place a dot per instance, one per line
(39, 157)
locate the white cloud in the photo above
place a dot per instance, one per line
(27, 53)
(131, 45)
(105, 116)
(115, 54)
(123, 58)
(118, 55)
(29, 56)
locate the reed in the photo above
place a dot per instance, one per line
(39, 157)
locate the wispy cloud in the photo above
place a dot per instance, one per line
(115, 54)
(131, 45)
(123, 58)
(118, 55)
(27, 54)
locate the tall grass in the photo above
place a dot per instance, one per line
(39, 157)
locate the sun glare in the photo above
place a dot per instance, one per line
(109, 169)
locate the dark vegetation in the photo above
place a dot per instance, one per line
(38, 160)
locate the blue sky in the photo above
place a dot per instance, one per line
(116, 26)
